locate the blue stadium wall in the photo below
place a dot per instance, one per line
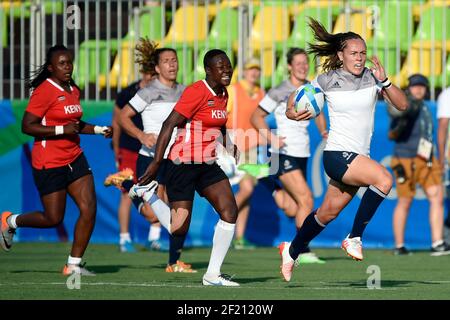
(267, 224)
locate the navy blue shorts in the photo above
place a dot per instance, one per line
(142, 164)
(336, 163)
(55, 179)
(185, 178)
(289, 163)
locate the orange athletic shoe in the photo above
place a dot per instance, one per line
(6, 232)
(180, 266)
(70, 269)
(117, 178)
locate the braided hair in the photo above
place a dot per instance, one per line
(42, 73)
(147, 55)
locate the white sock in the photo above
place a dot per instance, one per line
(72, 260)
(161, 210)
(124, 237)
(154, 233)
(12, 221)
(223, 235)
(437, 243)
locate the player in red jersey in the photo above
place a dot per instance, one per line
(53, 118)
(201, 116)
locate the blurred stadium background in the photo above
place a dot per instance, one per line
(409, 36)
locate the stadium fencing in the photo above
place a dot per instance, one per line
(409, 36)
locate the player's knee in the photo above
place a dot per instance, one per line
(229, 213)
(307, 201)
(53, 220)
(246, 189)
(88, 212)
(385, 182)
(181, 230)
(326, 214)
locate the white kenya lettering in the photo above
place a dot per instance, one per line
(72, 109)
(218, 114)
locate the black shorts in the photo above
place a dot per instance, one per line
(289, 163)
(336, 163)
(55, 179)
(184, 179)
(143, 162)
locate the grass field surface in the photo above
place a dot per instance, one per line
(32, 271)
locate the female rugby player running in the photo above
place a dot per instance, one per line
(351, 91)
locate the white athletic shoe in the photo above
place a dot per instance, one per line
(137, 191)
(353, 247)
(287, 263)
(76, 269)
(220, 280)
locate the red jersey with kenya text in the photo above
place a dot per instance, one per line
(56, 107)
(206, 114)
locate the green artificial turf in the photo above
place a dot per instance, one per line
(32, 271)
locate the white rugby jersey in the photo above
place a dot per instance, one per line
(155, 102)
(295, 132)
(443, 104)
(351, 107)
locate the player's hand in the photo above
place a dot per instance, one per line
(377, 69)
(302, 115)
(148, 139)
(108, 132)
(149, 174)
(72, 128)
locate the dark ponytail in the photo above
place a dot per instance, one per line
(329, 44)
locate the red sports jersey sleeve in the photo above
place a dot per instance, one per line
(39, 102)
(190, 101)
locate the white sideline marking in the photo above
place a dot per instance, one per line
(169, 285)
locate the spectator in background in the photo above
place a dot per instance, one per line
(244, 98)
(443, 114)
(413, 162)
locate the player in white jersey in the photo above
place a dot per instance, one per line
(155, 102)
(443, 115)
(290, 144)
(351, 91)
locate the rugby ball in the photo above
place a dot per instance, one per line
(309, 98)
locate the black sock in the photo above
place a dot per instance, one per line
(369, 204)
(309, 230)
(447, 220)
(137, 202)
(305, 250)
(127, 184)
(175, 248)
